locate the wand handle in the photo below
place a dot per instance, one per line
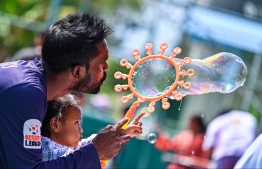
(129, 115)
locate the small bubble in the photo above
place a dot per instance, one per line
(202, 115)
(151, 138)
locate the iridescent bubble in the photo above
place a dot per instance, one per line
(223, 73)
(151, 138)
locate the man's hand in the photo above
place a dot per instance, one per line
(134, 128)
(108, 141)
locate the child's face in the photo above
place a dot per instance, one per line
(70, 131)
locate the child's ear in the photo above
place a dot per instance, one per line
(54, 126)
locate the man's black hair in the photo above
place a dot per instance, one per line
(73, 41)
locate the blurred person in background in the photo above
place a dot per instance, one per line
(74, 58)
(228, 136)
(187, 145)
(252, 158)
(30, 53)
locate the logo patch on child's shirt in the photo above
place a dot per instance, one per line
(32, 134)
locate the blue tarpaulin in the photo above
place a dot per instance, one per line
(224, 28)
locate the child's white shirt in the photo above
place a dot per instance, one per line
(52, 150)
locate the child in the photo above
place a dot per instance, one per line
(61, 130)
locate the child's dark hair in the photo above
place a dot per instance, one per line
(56, 108)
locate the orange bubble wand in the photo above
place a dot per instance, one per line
(178, 96)
(179, 81)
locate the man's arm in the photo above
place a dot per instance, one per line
(22, 109)
(86, 157)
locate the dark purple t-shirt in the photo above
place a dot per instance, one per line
(23, 104)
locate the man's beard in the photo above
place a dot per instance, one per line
(88, 85)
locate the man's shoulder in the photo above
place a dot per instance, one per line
(20, 72)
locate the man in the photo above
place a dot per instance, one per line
(74, 55)
(228, 136)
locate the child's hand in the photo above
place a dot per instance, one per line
(134, 128)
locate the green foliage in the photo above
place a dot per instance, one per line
(255, 112)
(15, 19)
(20, 20)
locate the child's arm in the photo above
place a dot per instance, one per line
(135, 127)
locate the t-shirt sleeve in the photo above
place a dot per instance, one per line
(22, 110)
(251, 159)
(86, 157)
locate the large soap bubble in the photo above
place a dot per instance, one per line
(223, 73)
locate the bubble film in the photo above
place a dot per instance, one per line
(223, 73)
(153, 77)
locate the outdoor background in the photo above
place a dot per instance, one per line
(201, 28)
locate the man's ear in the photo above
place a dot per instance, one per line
(78, 72)
(54, 126)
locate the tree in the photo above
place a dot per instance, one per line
(20, 20)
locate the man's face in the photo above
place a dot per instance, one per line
(96, 74)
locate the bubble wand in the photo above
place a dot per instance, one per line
(125, 99)
(159, 77)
